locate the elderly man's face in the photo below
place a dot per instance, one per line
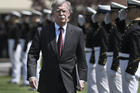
(61, 14)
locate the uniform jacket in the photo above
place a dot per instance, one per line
(102, 41)
(115, 39)
(131, 46)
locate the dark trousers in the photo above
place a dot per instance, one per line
(61, 88)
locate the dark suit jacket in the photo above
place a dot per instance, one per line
(54, 65)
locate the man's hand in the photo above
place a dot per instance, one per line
(33, 82)
(82, 83)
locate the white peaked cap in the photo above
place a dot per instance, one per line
(89, 9)
(117, 5)
(47, 11)
(104, 7)
(25, 12)
(37, 12)
(16, 13)
(135, 2)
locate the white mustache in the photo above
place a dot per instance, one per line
(61, 16)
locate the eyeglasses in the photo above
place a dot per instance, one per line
(61, 10)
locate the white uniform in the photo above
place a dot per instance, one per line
(129, 82)
(101, 74)
(114, 77)
(24, 63)
(11, 45)
(17, 64)
(92, 87)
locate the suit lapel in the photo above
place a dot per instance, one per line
(53, 39)
(67, 38)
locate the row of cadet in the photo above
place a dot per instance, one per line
(20, 30)
(104, 48)
(113, 47)
(24, 20)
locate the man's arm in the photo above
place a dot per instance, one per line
(33, 56)
(81, 61)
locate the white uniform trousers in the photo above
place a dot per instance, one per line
(11, 44)
(114, 78)
(92, 87)
(24, 62)
(129, 82)
(101, 74)
(17, 68)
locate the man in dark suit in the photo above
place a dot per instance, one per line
(62, 46)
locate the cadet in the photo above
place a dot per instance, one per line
(130, 51)
(14, 46)
(101, 49)
(92, 87)
(113, 69)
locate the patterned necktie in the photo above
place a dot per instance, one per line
(60, 41)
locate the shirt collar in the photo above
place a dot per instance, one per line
(57, 27)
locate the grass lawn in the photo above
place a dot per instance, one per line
(5, 87)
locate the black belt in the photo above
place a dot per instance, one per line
(124, 58)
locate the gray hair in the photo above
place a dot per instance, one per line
(59, 2)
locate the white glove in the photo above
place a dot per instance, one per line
(107, 18)
(94, 18)
(81, 20)
(122, 15)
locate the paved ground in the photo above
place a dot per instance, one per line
(5, 66)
